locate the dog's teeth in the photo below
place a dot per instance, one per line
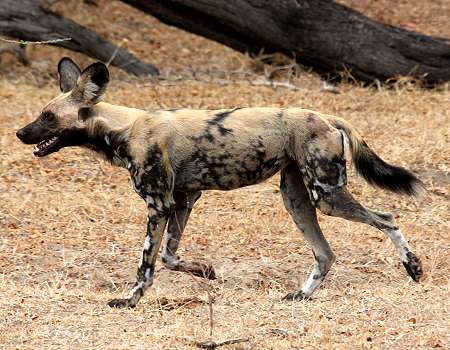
(45, 144)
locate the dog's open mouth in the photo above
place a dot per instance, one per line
(46, 146)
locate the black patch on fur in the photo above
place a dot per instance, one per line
(116, 146)
(100, 76)
(152, 180)
(84, 113)
(326, 171)
(279, 115)
(377, 172)
(310, 117)
(207, 135)
(219, 119)
(73, 137)
(215, 123)
(227, 170)
(155, 174)
(223, 130)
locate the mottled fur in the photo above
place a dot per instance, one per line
(174, 155)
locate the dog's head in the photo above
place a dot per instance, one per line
(63, 121)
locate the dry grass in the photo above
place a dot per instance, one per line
(71, 229)
(428, 17)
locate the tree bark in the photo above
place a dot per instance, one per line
(319, 33)
(28, 20)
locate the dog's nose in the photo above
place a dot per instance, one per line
(20, 134)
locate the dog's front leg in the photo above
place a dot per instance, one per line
(157, 220)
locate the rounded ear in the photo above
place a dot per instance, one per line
(93, 82)
(68, 74)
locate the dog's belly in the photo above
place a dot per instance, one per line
(204, 173)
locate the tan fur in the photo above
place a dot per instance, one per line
(354, 138)
(175, 128)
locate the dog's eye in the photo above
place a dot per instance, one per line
(48, 116)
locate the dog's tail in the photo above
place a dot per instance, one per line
(374, 169)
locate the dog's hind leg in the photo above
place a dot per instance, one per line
(326, 183)
(184, 203)
(296, 200)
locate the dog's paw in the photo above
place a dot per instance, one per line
(200, 269)
(293, 296)
(413, 266)
(121, 303)
(204, 270)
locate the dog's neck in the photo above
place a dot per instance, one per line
(108, 129)
(116, 117)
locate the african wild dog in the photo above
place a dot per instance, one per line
(174, 155)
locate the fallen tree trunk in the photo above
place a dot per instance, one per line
(28, 20)
(319, 33)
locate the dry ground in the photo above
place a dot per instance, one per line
(71, 228)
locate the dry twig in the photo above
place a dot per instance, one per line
(210, 344)
(25, 42)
